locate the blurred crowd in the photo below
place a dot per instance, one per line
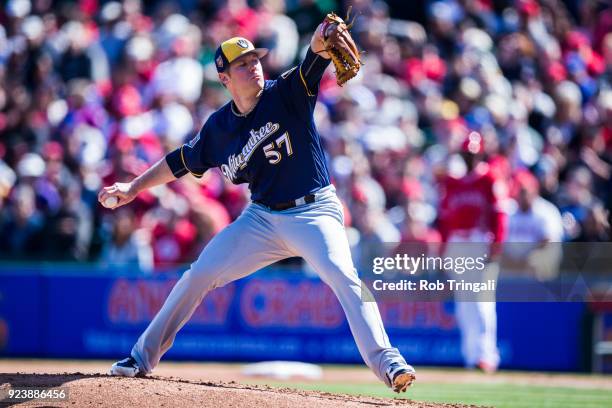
(92, 92)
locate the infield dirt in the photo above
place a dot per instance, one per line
(223, 385)
(96, 390)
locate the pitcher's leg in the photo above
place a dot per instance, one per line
(319, 237)
(242, 248)
(175, 312)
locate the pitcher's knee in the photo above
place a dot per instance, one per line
(340, 272)
(203, 277)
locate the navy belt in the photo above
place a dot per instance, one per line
(307, 199)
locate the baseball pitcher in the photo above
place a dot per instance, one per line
(266, 137)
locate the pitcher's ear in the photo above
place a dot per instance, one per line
(224, 78)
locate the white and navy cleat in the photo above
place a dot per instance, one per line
(126, 368)
(401, 376)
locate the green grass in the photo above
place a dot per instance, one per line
(497, 395)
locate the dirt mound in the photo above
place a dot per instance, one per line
(88, 390)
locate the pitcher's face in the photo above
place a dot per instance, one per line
(245, 74)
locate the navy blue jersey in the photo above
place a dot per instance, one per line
(275, 148)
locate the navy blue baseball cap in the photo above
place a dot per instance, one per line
(234, 48)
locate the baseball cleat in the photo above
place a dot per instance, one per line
(401, 376)
(126, 368)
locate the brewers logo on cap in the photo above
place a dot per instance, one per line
(234, 48)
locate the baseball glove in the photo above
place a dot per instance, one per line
(341, 47)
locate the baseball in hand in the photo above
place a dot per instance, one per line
(110, 202)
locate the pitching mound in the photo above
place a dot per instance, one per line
(89, 390)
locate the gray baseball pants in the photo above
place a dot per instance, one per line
(260, 237)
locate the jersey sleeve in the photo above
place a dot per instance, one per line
(299, 85)
(191, 157)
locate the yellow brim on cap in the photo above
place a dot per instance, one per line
(261, 52)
